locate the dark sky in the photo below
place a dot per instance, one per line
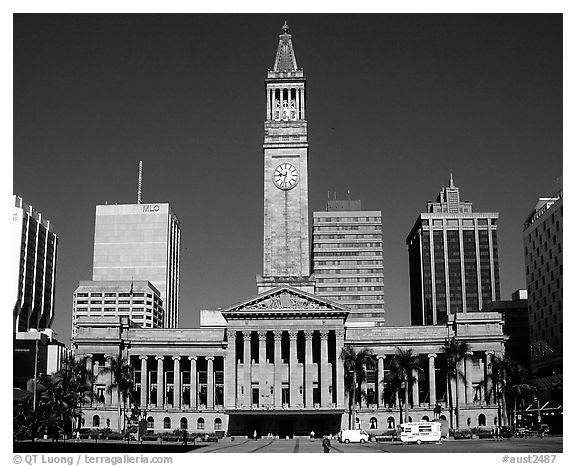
(395, 102)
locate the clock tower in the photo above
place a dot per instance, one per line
(286, 236)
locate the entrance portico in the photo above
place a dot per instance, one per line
(286, 345)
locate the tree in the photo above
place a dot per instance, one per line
(354, 376)
(511, 387)
(403, 366)
(455, 351)
(123, 382)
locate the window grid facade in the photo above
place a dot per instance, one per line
(347, 259)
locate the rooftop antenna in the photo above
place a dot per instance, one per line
(140, 182)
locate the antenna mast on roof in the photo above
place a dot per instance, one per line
(140, 182)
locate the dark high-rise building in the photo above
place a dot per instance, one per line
(515, 315)
(347, 258)
(543, 257)
(453, 258)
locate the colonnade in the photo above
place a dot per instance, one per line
(291, 383)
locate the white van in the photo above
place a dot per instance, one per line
(418, 432)
(348, 436)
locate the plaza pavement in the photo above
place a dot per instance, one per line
(305, 445)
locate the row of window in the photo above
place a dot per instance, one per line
(454, 222)
(348, 271)
(347, 219)
(350, 280)
(351, 288)
(348, 227)
(349, 262)
(167, 423)
(318, 236)
(113, 295)
(348, 253)
(347, 245)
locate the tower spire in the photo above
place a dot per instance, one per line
(451, 180)
(285, 57)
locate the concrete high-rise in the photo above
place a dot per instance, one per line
(139, 300)
(140, 242)
(453, 259)
(33, 264)
(543, 257)
(347, 258)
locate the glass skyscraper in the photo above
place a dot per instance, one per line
(453, 259)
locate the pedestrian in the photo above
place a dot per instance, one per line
(540, 432)
(326, 445)
(311, 434)
(255, 434)
(77, 436)
(184, 438)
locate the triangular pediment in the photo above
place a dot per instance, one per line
(285, 299)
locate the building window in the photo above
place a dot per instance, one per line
(200, 423)
(373, 423)
(217, 424)
(150, 421)
(391, 423)
(425, 418)
(481, 420)
(184, 423)
(96, 421)
(166, 423)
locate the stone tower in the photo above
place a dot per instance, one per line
(286, 235)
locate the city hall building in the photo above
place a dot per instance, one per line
(271, 363)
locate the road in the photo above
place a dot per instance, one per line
(520, 445)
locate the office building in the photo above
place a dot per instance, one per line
(543, 257)
(32, 268)
(453, 259)
(347, 259)
(139, 300)
(140, 242)
(515, 316)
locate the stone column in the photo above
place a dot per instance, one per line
(262, 386)
(298, 109)
(110, 397)
(144, 382)
(230, 372)
(278, 369)
(177, 383)
(160, 382)
(325, 373)
(289, 90)
(308, 399)
(295, 398)
(193, 383)
(89, 366)
(488, 376)
(380, 383)
(268, 117)
(281, 104)
(432, 379)
(468, 372)
(210, 382)
(247, 381)
(303, 97)
(340, 400)
(415, 389)
(363, 387)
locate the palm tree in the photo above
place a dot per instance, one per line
(511, 384)
(354, 375)
(455, 352)
(402, 368)
(123, 381)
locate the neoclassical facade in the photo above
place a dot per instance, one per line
(272, 364)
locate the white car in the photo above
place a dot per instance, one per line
(348, 436)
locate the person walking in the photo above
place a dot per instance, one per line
(184, 437)
(326, 445)
(255, 434)
(311, 434)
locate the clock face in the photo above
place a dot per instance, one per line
(285, 176)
